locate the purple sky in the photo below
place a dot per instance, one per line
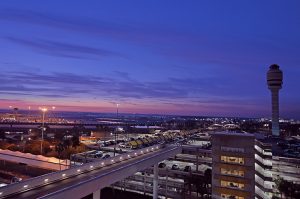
(162, 57)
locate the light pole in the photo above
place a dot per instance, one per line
(10, 109)
(44, 110)
(116, 130)
(118, 111)
(15, 112)
(53, 109)
(28, 116)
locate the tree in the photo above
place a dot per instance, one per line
(2, 134)
(13, 147)
(59, 149)
(282, 186)
(207, 176)
(288, 189)
(67, 143)
(59, 135)
(75, 141)
(33, 147)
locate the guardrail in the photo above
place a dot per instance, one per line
(50, 178)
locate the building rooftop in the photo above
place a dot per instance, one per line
(288, 147)
(232, 133)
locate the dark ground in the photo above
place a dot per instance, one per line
(107, 193)
(10, 169)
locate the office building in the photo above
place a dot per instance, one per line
(233, 165)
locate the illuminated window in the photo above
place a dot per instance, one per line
(235, 185)
(235, 160)
(228, 196)
(232, 172)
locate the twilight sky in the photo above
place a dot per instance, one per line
(161, 57)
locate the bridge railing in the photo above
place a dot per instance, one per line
(50, 178)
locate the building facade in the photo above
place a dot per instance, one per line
(233, 160)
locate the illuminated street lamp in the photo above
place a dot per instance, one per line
(44, 110)
(28, 115)
(53, 109)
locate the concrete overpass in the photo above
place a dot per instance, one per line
(50, 163)
(90, 178)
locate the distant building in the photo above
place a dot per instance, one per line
(233, 168)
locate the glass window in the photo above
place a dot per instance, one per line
(235, 160)
(230, 184)
(228, 196)
(232, 172)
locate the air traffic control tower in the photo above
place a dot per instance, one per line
(274, 80)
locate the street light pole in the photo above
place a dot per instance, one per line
(118, 111)
(53, 109)
(44, 110)
(116, 130)
(28, 116)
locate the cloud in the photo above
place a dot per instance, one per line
(141, 34)
(228, 50)
(75, 24)
(173, 95)
(201, 47)
(193, 93)
(69, 84)
(63, 49)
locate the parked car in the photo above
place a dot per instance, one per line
(162, 165)
(106, 156)
(175, 167)
(122, 145)
(106, 143)
(111, 142)
(98, 154)
(187, 169)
